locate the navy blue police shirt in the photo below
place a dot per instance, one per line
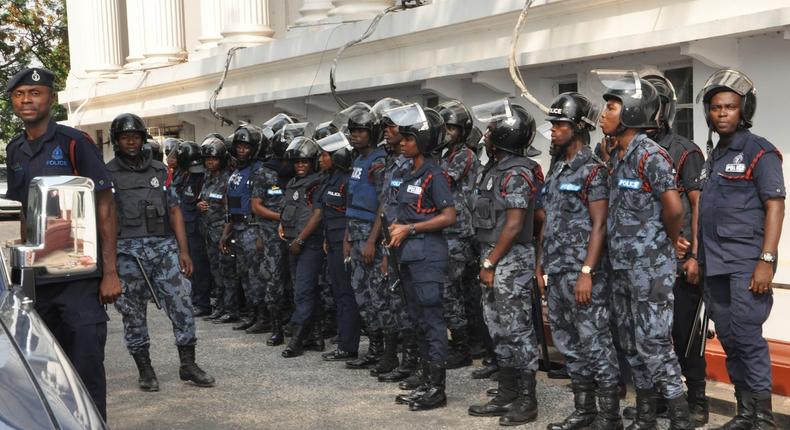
(423, 194)
(51, 155)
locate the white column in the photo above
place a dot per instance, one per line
(100, 26)
(245, 22)
(164, 33)
(313, 11)
(210, 24)
(355, 10)
(135, 22)
(75, 9)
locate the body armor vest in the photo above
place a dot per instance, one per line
(141, 199)
(298, 206)
(489, 211)
(364, 201)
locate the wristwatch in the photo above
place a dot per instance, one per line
(768, 257)
(586, 269)
(488, 265)
(300, 242)
(412, 230)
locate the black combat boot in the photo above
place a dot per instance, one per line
(434, 397)
(698, 403)
(525, 408)
(490, 367)
(248, 321)
(189, 370)
(315, 341)
(629, 412)
(226, 319)
(389, 359)
(277, 337)
(745, 412)
(418, 378)
(417, 391)
(460, 355)
(214, 315)
(408, 362)
(608, 417)
(507, 393)
(147, 380)
(763, 412)
(262, 324)
(584, 404)
(645, 410)
(375, 348)
(295, 346)
(678, 413)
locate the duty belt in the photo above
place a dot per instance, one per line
(243, 219)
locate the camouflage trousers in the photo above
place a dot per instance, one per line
(460, 252)
(582, 332)
(369, 288)
(248, 262)
(223, 271)
(401, 320)
(159, 257)
(642, 301)
(507, 308)
(271, 265)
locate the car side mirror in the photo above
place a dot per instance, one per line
(62, 238)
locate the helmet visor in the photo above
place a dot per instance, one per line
(732, 79)
(342, 117)
(493, 111)
(617, 81)
(333, 142)
(410, 115)
(291, 131)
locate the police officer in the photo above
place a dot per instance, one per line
(211, 204)
(425, 208)
(740, 221)
(242, 223)
(361, 246)
(300, 227)
(70, 308)
(337, 156)
(171, 152)
(188, 183)
(461, 164)
(645, 215)
(503, 218)
(151, 238)
(688, 161)
(155, 147)
(575, 197)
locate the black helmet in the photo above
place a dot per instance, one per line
(214, 146)
(188, 155)
(340, 149)
(641, 104)
(153, 147)
(171, 146)
(249, 134)
(426, 125)
(575, 109)
(382, 106)
(323, 130)
(123, 123)
(303, 148)
(360, 116)
(512, 128)
(269, 128)
(666, 91)
(735, 81)
(455, 113)
(475, 139)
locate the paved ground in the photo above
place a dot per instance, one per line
(257, 388)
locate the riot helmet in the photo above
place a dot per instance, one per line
(735, 81)
(248, 134)
(510, 127)
(214, 146)
(126, 122)
(576, 109)
(303, 148)
(171, 147)
(666, 91)
(641, 104)
(188, 155)
(475, 139)
(339, 148)
(153, 147)
(323, 130)
(456, 113)
(425, 125)
(360, 116)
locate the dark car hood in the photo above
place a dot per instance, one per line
(38, 385)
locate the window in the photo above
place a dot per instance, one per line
(681, 79)
(567, 87)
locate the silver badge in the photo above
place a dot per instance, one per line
(490, 184)
(154, 182)
(296, 195)
(738, 159)
(35, 76)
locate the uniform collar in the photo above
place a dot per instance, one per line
(737, 144)
(580, 159)
(633, 144)
(420, 172)
(46, 137)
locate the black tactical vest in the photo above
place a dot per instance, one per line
(298, 204)
(489, 211)
(140, 199)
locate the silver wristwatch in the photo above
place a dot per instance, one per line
(768, 257)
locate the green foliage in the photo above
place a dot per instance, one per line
(32, 32)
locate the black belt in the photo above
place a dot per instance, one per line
(243, 219)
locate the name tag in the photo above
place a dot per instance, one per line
(570, 187)
(395, 183)
(334, 194)
(275, 192)
(414, 189)
(630, 184)
(735, 168)
(217, 196)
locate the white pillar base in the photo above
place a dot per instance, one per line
(357, 10)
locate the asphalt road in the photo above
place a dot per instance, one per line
(258, 389)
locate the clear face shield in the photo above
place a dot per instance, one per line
(275, 123)
(292, 131)
(342, 117)
(732, 79)
(496, 110)
(410, 115)
(622, 82)
(334, 142)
